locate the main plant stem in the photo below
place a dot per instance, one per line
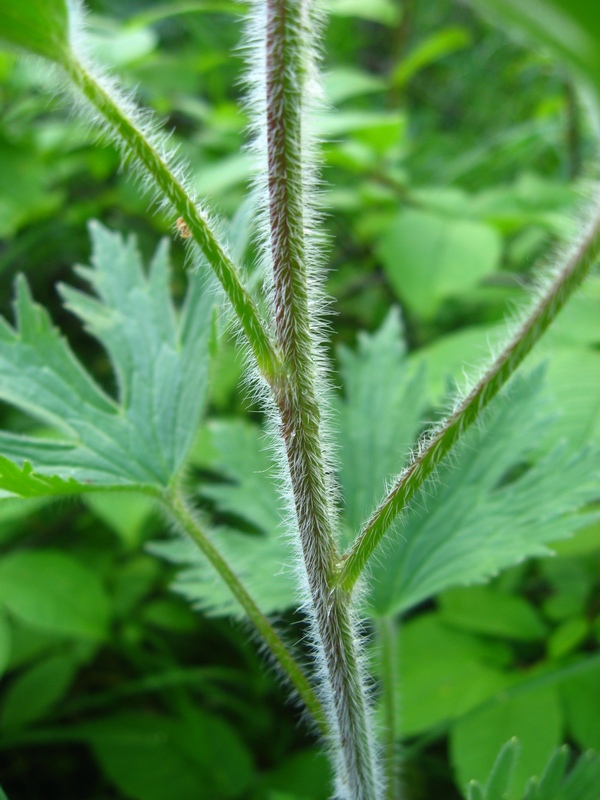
(335, 638)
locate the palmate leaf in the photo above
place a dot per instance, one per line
(160, 360)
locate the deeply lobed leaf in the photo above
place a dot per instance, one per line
(160, 359)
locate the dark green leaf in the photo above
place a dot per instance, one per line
(54, 592)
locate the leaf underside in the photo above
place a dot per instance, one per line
(91, 440)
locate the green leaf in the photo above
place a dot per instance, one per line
(481, 610)
(160, 361)
(429, 258)
(382, 11)
(532, 716)
(54, 592)
(36, 26)
(34, 692)
(581, 696)
(124, 512)
(570, 28)
(378, 418)
(432, 49)
(488, 510)
(144, 753)
(263, 561)
(5, 643)
(444, 673)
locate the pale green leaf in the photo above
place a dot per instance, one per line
(262, 560)
(54, 592)
(429, 258)
(382, 11)
(533, 716)
(36, 26)
(481, 610)
(444, 673)
(124, 512)
(378, 418)
(485, 513)
(160, 362)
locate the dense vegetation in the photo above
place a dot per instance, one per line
(452, 145)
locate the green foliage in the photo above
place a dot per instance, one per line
(442, 198)
(38, 26)
(142, 439)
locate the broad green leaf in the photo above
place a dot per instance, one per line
(36, 26)
(54, 592)
(33, 693)
(343, 83)
(482, 515)
(481, 610)
(124, 512)
(570, 28)
(567, 637)
(160, 362)
(432, 49)
(5, 643)
(581, 696)
(378, 417)
(304, 776)
(428, 258)
(144, 753)
(263, 561)
(533, 716)
(444, 673)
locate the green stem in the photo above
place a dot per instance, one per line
(438, 443)
(388, 648)
(288, 32)
(184, 519)
(153, 160)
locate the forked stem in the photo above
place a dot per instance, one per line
(288, 64)
(122, 123)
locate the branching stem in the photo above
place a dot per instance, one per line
(155, 164)
(442, 439)
(287, 61)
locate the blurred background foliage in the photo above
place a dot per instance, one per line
(445, 127)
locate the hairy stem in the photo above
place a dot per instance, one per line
(287, 63)
(438, 443)
(185, 520)
(156, 165)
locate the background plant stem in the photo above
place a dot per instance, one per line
(185, 520)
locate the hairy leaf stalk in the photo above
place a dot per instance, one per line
(155, 164)
(185, 520)
(287, 64)
(438, 443)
